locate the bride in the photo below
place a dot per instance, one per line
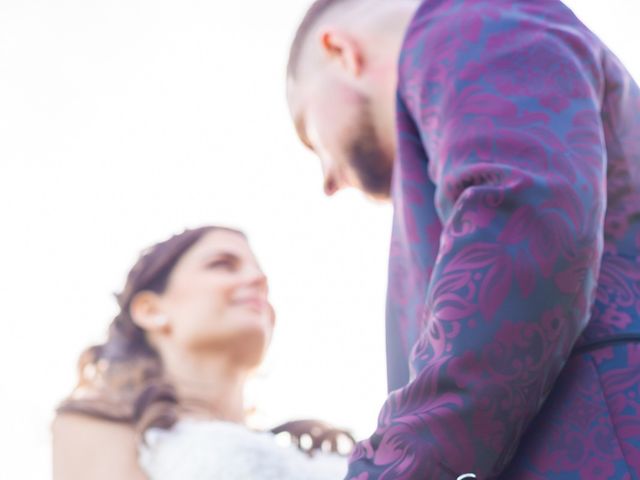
(162, 398)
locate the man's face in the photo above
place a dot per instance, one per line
(336, 122)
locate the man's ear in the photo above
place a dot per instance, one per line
(340, 46)
(146, 313)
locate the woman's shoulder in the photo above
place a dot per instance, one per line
(70, 423)
(78, 430)
(87, 447)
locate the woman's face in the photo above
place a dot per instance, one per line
(217, 298)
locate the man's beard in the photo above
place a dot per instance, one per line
(367, 158)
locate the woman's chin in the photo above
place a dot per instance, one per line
(253, 323)
(245, 338)
(250, 344)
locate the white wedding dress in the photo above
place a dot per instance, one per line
(216, 450)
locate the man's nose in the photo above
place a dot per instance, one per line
(332, 181)
(330, 185)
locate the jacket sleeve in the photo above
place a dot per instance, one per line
(508, 113)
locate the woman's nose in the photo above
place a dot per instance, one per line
(258, 278)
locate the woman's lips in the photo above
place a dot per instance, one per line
(255, 303)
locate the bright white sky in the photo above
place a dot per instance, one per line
(125, 121)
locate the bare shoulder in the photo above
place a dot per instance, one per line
(93, 449)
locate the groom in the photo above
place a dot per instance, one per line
(508, 138)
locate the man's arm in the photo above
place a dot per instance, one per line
(508, 111)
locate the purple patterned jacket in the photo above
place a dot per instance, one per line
(513, 314)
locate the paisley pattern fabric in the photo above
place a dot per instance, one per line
(513, 310)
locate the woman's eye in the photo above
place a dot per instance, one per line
(221, 264)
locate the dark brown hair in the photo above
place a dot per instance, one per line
(122, 379)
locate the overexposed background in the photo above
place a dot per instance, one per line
(124, 121)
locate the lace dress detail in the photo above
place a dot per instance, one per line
(215, 450)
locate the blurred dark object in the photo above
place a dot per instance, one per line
(313, 436)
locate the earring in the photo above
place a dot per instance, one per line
(160, 320)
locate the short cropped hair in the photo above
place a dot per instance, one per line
(310, 20)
